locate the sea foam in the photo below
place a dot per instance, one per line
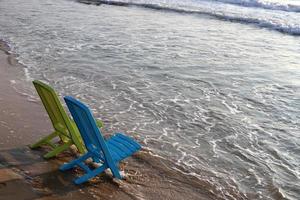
(240, 11)
(288, 6)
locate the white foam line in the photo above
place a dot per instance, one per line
(27, 75)
(232, 110)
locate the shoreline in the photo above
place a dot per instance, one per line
(220, 112)
(23, 122)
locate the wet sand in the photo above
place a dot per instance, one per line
(21, 121)
(24, 174)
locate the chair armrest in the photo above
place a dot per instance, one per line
(99, 123)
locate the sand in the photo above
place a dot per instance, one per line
(24, 174)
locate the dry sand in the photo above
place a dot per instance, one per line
(24, 174)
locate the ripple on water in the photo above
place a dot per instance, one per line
(223, 108)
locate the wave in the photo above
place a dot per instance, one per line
(283, 6)
(290, 29)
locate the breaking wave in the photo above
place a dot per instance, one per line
(288, 6)
(277, 21)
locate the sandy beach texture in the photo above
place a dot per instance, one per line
(24, 174)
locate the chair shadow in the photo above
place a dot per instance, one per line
(42, 177)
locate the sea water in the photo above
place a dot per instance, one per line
(211, 85)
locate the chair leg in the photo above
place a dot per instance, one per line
(79, 145)
(89, 175)
(44, 140)
(96, 160)
(77, 138)
(58, 150)
(71, 164)
(115, 172)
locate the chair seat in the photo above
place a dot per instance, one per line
(121, 146)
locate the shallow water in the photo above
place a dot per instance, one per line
(217, 97)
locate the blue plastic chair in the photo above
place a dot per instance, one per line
(109, 152)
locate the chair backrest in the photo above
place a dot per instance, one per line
(59, 118)
(88, 129)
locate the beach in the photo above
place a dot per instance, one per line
(24, 174)
(210, 89)
(23, 120)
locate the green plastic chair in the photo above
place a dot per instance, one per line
(64, 127)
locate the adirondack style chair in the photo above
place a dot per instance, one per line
(110, 152)
(64, 127)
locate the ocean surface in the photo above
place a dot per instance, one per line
(213, 86)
